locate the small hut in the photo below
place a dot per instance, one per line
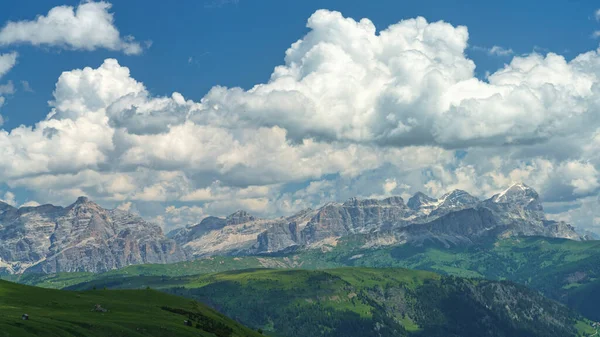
(187, 322)
(25, 317)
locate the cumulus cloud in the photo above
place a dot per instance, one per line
(350, 112)
(88, 27)
(411, 84)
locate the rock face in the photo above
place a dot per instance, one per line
(455, 218)
(519, 209)
(355, 216)
(218, 236)
(80, 237)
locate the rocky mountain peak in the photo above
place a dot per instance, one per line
(418, 200)
(83, 205)
(459, 196)
(239, 217)
(518, 198)
(517, 193)
(82, 200)
(457, 199)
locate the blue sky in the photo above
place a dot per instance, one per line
(534, 122)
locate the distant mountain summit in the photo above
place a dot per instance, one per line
(454, 219)
(420, 200)
(80, 237)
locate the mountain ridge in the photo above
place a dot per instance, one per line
(512, 212)
(84, 236)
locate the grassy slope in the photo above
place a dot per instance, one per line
(564, 270)
(360, 301)
(131, 313)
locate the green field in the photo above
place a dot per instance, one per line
(129, 313)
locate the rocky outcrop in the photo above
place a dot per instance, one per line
(355, 216)
(279, 237)
(191, 233)
(239, 217)
(233, 235)
(80, 237)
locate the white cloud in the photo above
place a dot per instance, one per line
(26, 86)
(7, 61)
(8, 88)
(500, 51)
(584, 212)
(31, 203)
(88, 27)
(351, 112)
(597, 15)
(389, 186)
(495, 50)
(174, 216)
(9, 198)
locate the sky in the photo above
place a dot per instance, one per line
(182, 110)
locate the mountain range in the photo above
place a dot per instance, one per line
(87, 237)
(457, 218)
